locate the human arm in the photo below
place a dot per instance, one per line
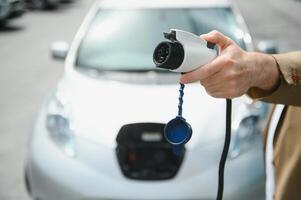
(288, 91)
(236, 72)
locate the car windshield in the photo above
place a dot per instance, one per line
(124, 39)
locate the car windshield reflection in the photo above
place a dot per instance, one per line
(124, 39)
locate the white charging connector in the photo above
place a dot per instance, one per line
(184, 52)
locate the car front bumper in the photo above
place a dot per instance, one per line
(95, 174)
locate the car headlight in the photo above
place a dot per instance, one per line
(247, 124)
(59, 126)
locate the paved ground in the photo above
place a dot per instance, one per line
(27, 72)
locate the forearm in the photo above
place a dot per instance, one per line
(265, 71)
(273, 78)
(288, 91)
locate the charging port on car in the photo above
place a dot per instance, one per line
(144, 154)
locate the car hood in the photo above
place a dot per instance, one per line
(99, 108)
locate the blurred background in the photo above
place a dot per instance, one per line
(28, 73)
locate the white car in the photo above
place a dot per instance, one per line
(99, 134)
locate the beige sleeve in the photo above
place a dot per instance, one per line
(289, 90)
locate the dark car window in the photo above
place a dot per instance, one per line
(125, 39)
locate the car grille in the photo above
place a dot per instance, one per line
(144, 154)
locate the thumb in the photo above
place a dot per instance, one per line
(217, 38)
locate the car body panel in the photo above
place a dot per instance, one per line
(87, 117)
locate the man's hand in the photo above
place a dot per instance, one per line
(234, 71)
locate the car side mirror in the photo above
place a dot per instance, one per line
(59, 50)
(267, 46)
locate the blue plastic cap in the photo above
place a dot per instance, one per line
(177, 131)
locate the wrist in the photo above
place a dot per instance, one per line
(265, 71)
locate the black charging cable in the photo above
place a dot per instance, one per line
(224, 156)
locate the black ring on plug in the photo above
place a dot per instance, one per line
(168, 55)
